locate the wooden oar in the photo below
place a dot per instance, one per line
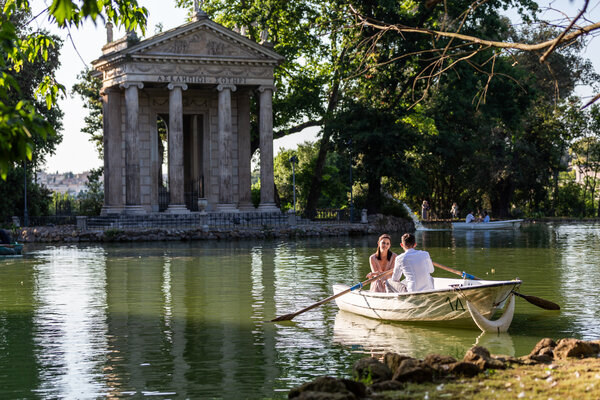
(536, 301)
(289, 317)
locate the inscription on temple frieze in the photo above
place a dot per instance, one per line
(233, 80)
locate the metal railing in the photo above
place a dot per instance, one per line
(52, 220)
(189, 221)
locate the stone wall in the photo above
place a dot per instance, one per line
(377, 224)
(386, 224)
(70, 233)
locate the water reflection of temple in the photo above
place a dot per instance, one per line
(177, 326)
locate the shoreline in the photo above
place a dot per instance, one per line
(567, 368)
(72, 234)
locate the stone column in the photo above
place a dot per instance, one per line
(244, 155)
(132, 158)
(225, 150)
(176, 189)
(113, 156)
(265, 129)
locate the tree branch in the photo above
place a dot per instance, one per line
(297, 128)
(564, 38)
(563, 33)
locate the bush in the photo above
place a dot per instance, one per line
(570, 201)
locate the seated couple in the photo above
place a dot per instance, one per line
(415, 265)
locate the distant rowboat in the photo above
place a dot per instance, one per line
(10, 249)
(506, 224)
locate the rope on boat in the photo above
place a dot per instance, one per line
(504, 299)
(500, 325)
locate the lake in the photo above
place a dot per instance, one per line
(187, 319)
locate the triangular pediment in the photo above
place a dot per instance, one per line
(203, 39)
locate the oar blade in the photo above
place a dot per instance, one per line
(537, 301)
(286, 317)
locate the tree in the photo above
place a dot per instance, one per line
(379, 142)
(452, 42)
(20, 122)
(310, 35)
(88, 88)
(336, 188)
(32, 74)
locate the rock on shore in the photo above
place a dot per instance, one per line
(394, 371)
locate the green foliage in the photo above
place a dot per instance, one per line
(335, 193)
(88, 88)
(255, 194)
(90, 202)
(23, 124)
(378, 142)
(12, 193)
(112, 234)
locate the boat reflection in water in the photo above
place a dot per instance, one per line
(376, 337)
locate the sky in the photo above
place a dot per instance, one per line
(83, 45)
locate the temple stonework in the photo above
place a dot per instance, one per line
(196, 81)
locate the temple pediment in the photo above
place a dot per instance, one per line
(195, 41)
(202, 42)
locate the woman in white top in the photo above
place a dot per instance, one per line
(382, 260)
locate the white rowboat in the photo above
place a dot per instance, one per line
(475, 226)
(449, 300)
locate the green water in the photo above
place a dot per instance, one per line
(187, 320)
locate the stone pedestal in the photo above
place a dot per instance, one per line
(177, 209)
(134, 210)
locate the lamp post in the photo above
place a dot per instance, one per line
(294, 160)
(351, 198)
(25, 212)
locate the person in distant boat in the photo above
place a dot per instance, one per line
(5, 237)
(425, 210)
(486, 216)
(454, 211)
(415, 265)
(382, 260)
(470, 218)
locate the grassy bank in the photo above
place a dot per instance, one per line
(566, 369)
(565, 379)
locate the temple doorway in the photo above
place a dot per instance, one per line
(193, 160)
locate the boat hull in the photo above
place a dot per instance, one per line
(445, 303)
(12, 250)
(476, 226)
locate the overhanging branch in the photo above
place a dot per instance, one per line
(297, 128)
(563, 38)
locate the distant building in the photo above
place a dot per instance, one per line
(67, 182)
(581, 174)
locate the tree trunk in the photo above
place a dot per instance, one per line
(502, 198)
(315, 184)
(374, 195)
(555, 203)
(314, 191)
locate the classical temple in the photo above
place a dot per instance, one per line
(193, 83)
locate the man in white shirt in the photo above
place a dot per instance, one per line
(470, 217)
(415, 265)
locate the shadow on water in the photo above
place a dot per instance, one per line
(187, 319)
